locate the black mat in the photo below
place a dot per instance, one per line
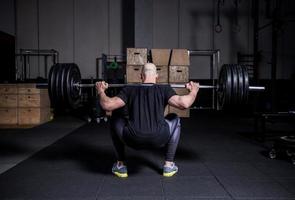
(215, 162)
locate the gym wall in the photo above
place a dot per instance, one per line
(82, 30)
(7, 16)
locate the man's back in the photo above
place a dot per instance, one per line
(146, 106)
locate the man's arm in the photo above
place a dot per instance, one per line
(108, 103)
(185, 101)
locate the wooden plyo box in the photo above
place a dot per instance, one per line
(8, 104)
(8, 100)
(162, 74)
(180, 57)
(8, 116)
(23, 104)
(136, 56)
(161, 56)
(34, 99)
(34, 105)
(8, 89)
(133, 73)
(178, 74)
(33, 115)
(8, 96)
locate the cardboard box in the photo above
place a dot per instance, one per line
(136, 56)
(161, 56)
(180, 57)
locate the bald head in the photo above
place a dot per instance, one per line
(149, 69)
(149, 73)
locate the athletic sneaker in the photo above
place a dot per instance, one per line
(120, 171)
(169, 171)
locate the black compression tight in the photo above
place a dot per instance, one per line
(174, 124)
(118, 127)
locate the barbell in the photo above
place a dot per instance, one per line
(65, 85)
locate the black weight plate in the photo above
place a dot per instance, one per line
(58, 87)
(246, 84)
(234, 94)
(221, 86)
(224, 86)
(65, 85)
(73, 92)
(52, 84)
(229, 81)
(241, 84)
(63, 75)
(50, 92)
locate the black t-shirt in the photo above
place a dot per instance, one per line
(146, 105)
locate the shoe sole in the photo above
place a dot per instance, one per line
(169, 174)
(124, 175)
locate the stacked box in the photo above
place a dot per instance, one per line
(8, 104)
(172, 67)
(161, 57)
(179, 73)
(34, 105)
(23, 104)
(136, 58)
(179, 66)
(133, 73)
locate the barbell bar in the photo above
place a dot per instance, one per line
(118, 85)
(64, 85)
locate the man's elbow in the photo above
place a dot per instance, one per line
(184, 105)
(107, 106)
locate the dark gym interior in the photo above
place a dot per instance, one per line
(237, 138)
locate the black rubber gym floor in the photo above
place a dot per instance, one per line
(216, 159)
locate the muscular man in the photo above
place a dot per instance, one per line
(146, 126)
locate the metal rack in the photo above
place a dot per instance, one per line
(24, 57)
(214, 71)
(103, 63)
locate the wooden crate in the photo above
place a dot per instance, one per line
(34, 100)
(8, 100)
(181, 91)
(133, 73)
(8, 116)
(162, 74)
(29, 88)
(136, 56)
(178, 74)
(180, 57)
(8, 89)
(33, 115)
(161, 56)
